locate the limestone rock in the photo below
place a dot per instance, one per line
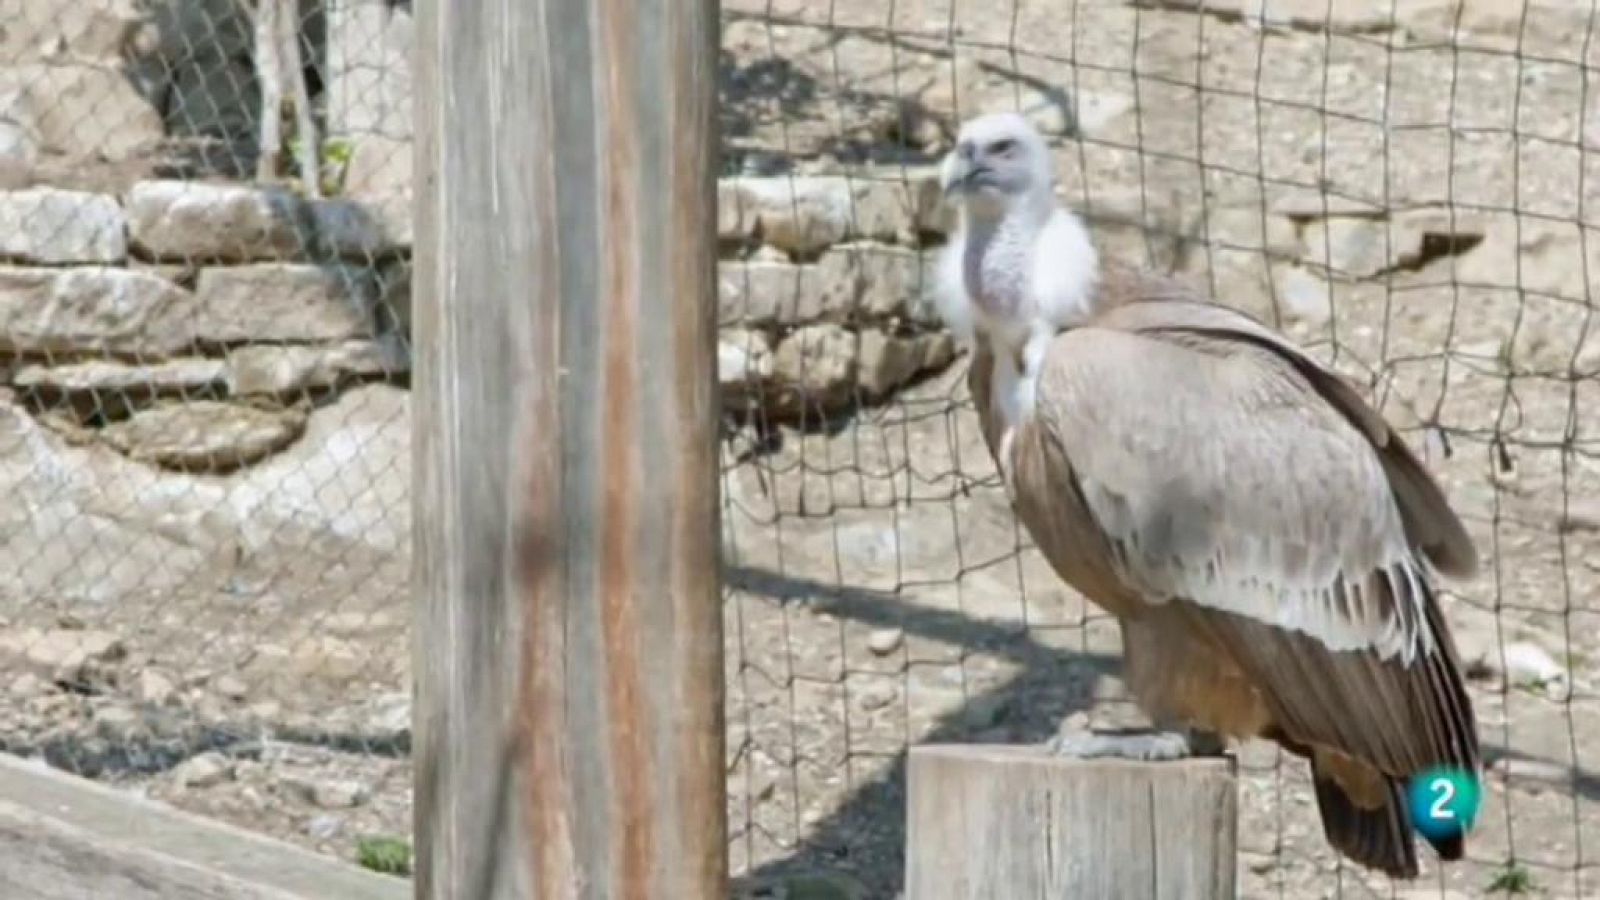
(386, 717)
(154, 687)
(848, 283)
(188, 220)
(1346, 18)
(119, 724)
(888, 361)
(231, 687)
(744, 362)
(328, 794)
(1365, 246)
(760, 293)
(86, 524)
(814, 366)
(329, 658)
(933, 215)
(92, 310)
(884, 641)
(77, 109)
(347, 444)
(76, 656)
(18, 147)
(179, 376)
(86, 30)
(204, 436)
(871, 282)
(805, 215)
(1558, 27)
(285, 302)
(1528, 664)
(284, 369)
(379, 176)
(1306, 299)
(203, 770)
(324, 827)
(1305, 204)
(949, 92)
(1350, 247)
(1557, 259)
(46, 225)
(26, 686)
(1249, 230)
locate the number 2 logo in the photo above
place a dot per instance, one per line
(1443, 802)
(1444, 791)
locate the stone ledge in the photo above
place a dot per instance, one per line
(63, 837)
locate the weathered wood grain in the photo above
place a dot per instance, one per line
(988, 822)
(569, 716)
(66, 838)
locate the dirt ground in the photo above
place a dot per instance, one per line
(879, 592)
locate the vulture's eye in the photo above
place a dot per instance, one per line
(1003, 147)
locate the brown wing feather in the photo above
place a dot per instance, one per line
(1422, 712)
(1366, 719)
(1400, 716)
(1400, 719)
(1154, 307)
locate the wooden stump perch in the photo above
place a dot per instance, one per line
(1017, 823)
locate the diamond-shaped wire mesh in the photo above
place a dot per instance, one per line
(1408, 189)
(204, 446)
(204, 344)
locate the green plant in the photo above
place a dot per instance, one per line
(389, 855)
(1513, 879)
(336, 156)
(332, 165)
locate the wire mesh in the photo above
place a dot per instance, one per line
(1407, 189)
(204, 351)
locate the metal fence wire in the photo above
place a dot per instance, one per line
(204, 324)
(204, 227)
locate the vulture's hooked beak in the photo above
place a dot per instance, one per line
(960, 174)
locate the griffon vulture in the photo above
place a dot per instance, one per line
(1268, 543)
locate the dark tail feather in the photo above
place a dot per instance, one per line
(1376, 838)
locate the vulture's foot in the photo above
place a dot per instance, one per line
(1136, 744)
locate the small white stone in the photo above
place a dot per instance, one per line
(324, 826)
(875, 698)
(153, 687)
(1530, 665)
(884, 641)
(202, 770)
(27, 685)
(330, 794)
(117, 723)
(231, 687)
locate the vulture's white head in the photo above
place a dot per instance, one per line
(1000, 163)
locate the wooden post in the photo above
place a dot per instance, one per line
(569, 718)
(1017, 823)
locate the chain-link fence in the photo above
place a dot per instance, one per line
(204, 224)
(204, 324)
(1409, 189)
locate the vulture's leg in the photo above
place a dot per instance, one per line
(1136, 743)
